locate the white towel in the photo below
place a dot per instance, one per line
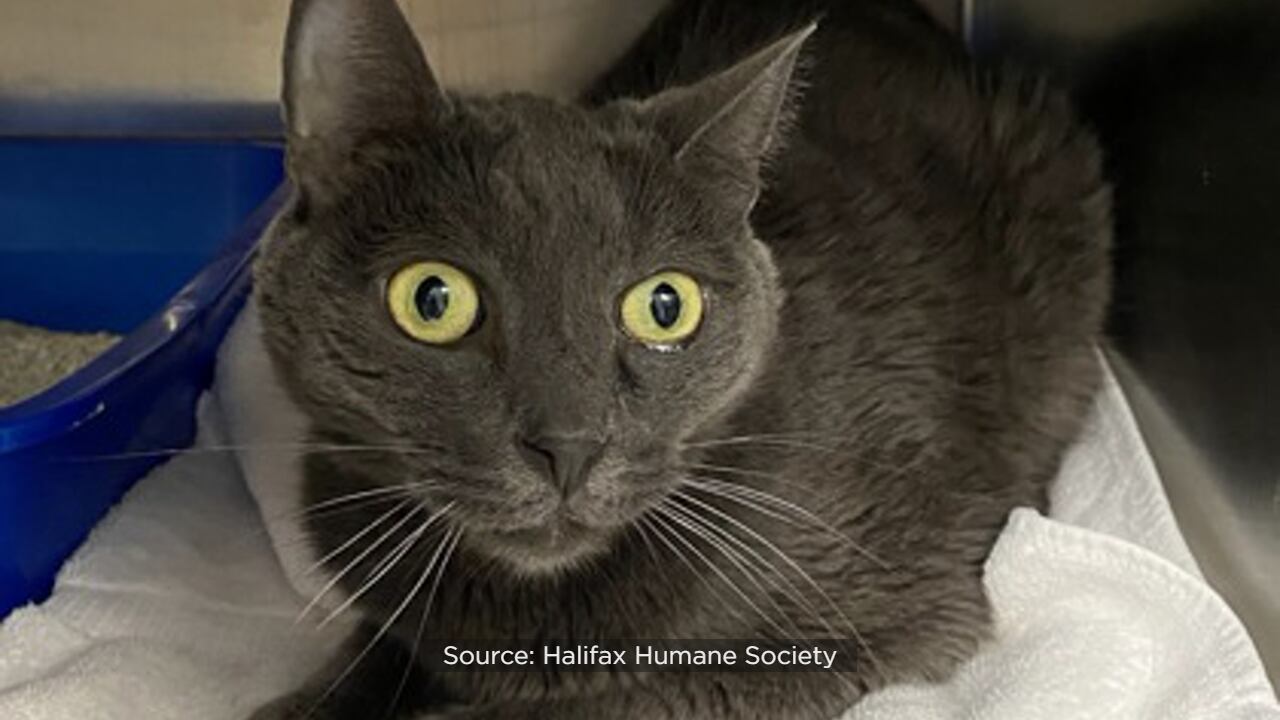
(174, 609)
(177, 608)
(1100, 610)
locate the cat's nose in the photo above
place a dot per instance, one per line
(565, 459)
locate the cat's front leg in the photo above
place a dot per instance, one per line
(702, 696)
(369, 677)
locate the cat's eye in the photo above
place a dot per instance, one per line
(662, 310)
(433, 302)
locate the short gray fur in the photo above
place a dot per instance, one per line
(905, 263)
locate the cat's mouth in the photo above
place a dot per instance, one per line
(554, 546)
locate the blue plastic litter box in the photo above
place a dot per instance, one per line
(149, 239)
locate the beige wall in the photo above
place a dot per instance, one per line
(228, 50)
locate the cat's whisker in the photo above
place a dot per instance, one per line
(641, 529)
(700, 470)
(303, 448)
(296, 539)
(359, 558)
(888, 470)
(752, 498)
(790, 562)
(390, 449)
(355, 538)
(731, 470)
(661, 534)
(790, 435)
(346, 507)
(786, 586)
(405, 547)
(452, 544)
(644, 528)
(701, 527)
(698, 482)
(386, 626)
(664, 513)
(760, 441)
(792, 591)
(384, 565)
(388, 491)
(333, 506)
(345, 504)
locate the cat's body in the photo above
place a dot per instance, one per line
(912, 350)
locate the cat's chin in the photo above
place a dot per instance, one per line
(547, 550)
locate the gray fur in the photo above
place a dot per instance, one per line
(910, 315)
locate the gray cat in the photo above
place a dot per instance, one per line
(716, 353)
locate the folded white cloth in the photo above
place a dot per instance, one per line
(1100, 610)
(1088, 626)
(178, 608)
(174, 609)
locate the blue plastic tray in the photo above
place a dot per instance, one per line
(148, 238)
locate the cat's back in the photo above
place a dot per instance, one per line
(942, 233)
(945, 279)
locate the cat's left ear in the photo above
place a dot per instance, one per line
(352, 68)
(727, 123)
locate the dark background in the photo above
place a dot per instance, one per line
(1185, 95)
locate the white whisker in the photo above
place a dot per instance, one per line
(357, 560)
(744, 495)
(665, 513)
(787, 441)
(702, 528)
(389, 562)
(662, 537)
(355, 538)
(382, 631)
(426, 607)
(795, 566)
(745, 472)
(304, 447)
(348, 498)
(792, 591)
(787, 587)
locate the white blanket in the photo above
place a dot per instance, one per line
(178, 609)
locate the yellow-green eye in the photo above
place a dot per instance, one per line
(433, 302)
(662, 310)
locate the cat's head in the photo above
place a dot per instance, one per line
(542, 300)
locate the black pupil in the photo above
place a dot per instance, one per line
(432, 298)
(664, 303)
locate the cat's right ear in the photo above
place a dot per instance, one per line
(352, 69)
(728, 123)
